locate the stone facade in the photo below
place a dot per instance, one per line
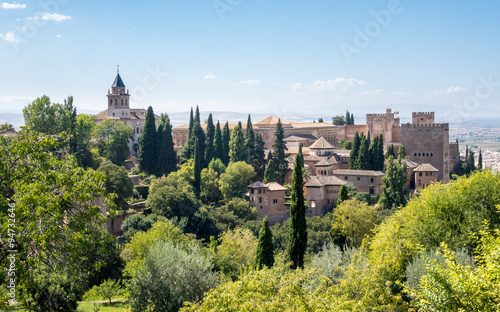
(425, 175)
(322, 194)
(367, 181)
(269, 200)
(428, 143)
(385, 124)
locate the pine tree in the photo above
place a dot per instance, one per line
(297, 235)
(186, 149)
(343, 194)
(356, 144)
(197, 167)
(363, 158)
(269, 174)
(237, 149)
(209, 144)
(166, 158)
(226, 137)
(265, 248)
(480, 160)
(217, 145)
(147, 144)
(320, 119)
(279, 147)
(250, 140)
(259, 157)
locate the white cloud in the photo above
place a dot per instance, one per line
(377, 92)
(337, 84)
(248, 82)
(53, 17)
(58, 36)
(210, 76)
(9, 37)
(11, 98)
(450, 90)
(455, 90)
(402, 93)
(276, 83)
(15, 5)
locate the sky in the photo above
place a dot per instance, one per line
(309, 58)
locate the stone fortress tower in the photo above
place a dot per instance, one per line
(428, 142)
(385, 124)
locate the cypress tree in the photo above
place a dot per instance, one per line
(390, 151)
(373, 154)
(401, 151)
(368, 138)
(352, 119)
(250, 140)
(209, 144)
(466, 151)
(225, 144)
(265, 248)
(237, 149)
(297, 235)
(356, 144)
(269, 174)
(197, 167)
(363, 160)
(380, 151)
(480, 160)
(147, 144)
(343, 194)
(167, 158)
(259, 157)
(186, 149)
(217, 145)
(279, 147)
(393, 192)
(347, 118)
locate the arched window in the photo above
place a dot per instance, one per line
(415, 154)
(427, 154)
(418, 154)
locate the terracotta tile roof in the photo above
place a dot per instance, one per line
(312, 125)
(426, 167)
(348, 172)
(271, 186)
(323, 181)
(271, 120)
(321, 143)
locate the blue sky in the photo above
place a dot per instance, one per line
(280, 57)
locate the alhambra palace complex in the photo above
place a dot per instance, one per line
(430, 155)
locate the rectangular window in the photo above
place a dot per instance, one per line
(260, 200)
(371, 180)
(420, 174)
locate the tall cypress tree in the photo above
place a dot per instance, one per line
(363, 159)
(390, 151)
(368, 138)
(352, 119)
(259, 157)
(269, 174)
(209, 144)
(380, 151)
(279, 147)
(265, 248)
(226, 137)
(186, 149)
(147, 144)
(217, 145)
(237, 148)
(250, 140)
(356, 144)
(166, 158)
(343, 194)
(401, 151)
(480, 160)
(393, 190)
(198, 152)
(374, 154)
(347, 118)
(297, 235)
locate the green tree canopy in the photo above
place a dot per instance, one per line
(265, 249)
(279, 154)
(112, 138)
(117, 182)
(147, 155)
(166, 159)
(233, 183)
(339, 120)
(238, 150)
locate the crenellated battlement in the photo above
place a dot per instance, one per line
(424, 114)
(422, 117)
(430, 125)
(378, 115)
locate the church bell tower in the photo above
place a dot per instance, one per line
(118, 99)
